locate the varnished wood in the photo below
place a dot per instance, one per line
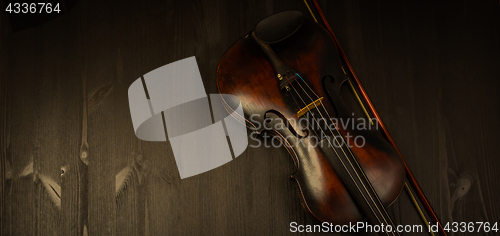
(246, 72)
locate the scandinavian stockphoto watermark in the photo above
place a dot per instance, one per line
(198, 126)
(321, 131)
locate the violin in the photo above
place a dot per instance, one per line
(287, 73)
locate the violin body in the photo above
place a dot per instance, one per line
(246, 72)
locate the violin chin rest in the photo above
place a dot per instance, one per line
(279, 26)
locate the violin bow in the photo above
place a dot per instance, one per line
(409, 174)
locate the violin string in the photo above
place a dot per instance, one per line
(343, 141)
(348, 149)
(293, 96)
(314, 118)
(339, 146)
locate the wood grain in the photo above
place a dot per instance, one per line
(431, 69)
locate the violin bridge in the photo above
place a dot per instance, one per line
(314, 104)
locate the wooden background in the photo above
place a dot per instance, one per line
(431, 68)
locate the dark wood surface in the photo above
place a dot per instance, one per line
(431, 69)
